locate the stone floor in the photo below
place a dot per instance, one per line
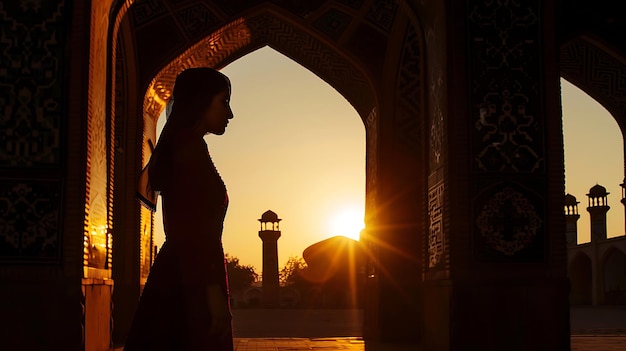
(293, 344)
(593, 329)
(579, 343)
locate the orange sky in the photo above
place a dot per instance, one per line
(297, 147)
(593, 155)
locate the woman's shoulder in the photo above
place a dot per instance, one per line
(188, 147)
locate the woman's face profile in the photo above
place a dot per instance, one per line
(215, 117)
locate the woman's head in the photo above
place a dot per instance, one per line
(194, 92)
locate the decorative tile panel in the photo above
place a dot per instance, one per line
(319, 58)
(382, 14)
(197, 19)
(436, 137)
(599, 73)
(233, 7)
(32, 48)
(355, 4)
(509, 225)
(144, 11)
(371, 194)
(410, 113)
(505, 78)
(436, 235)
(29, 221)
(333, 23)
(371, 174)
(302, 8)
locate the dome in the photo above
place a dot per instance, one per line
(269, 216)
(570, 200)
(333, 257)
(597, 191)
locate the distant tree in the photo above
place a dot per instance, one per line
(240, 276)
(292, 272)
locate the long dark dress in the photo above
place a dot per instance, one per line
(173, 312)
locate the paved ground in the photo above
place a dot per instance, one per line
(292, 323)
(579, 343)
(598, 320)
(593, 329)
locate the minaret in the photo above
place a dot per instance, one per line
(598, 207)
(623, 200)
(269, 234)
(571, 220)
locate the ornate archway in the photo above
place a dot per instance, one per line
(364, 78)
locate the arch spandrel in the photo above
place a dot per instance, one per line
(243, 36)
(592, 68)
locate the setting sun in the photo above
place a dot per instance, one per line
(347, 222)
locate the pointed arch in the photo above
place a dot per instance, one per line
(614, 276)
(243, 36)
(580, 275)
(360, 63)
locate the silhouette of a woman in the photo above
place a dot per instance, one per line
(184, 304)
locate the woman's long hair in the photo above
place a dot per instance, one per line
(194, 89)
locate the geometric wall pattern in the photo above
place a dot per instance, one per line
(316, 56)
(507, 130)
(436, 237)
(31, 83)
(333, 23)
(382, 13)
(355, 4)
(410, 114)
(32, 100)
(29, 221)
(508, 222)
(598, 73)
(505, 92)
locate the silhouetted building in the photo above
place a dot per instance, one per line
(597, 269)
(598, 207)
(270, 233)
(336, 271)
(571, 219)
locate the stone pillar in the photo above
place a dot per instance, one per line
(498, 277)
(395, 205)
(45, 300)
